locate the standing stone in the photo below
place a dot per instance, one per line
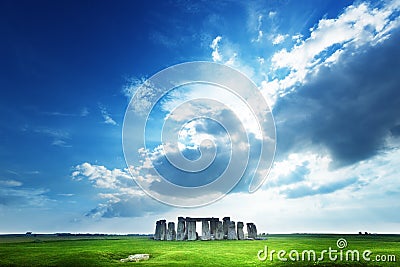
(157, 235)
(240, 233)
(171, 234)
(254, 231)
(180, 235)
(191, 230)
(225, 225)
(163, 230)
(205, 233)
(213, 225)
(219, 231)
(232, 231)
(251, 231)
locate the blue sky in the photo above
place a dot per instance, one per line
(328, 69)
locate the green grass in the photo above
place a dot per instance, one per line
(106, 251)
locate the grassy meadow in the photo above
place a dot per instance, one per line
(108, 250)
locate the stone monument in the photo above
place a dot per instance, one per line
(240, 233)
(251, 231)
(181, 230)
(205, 233)
(171, 234)
(211, 229)
(232, 231)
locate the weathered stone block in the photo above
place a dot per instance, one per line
(205, 233)
(240, 233)
(180, 235)
(191, 230)
(232, 231)
(171, 233)
(219, 231)
(251, 231)
(225, 224)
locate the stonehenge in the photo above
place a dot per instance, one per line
(251, 231)
(232, 231)
(191, 230)
(240, 233)
(211, 229)
(171, 233)
(161, 230)
(225, 224)
(205, 233)
(219, 231)
(181, 230)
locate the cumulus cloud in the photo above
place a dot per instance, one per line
(348, 109)
(279, 38)
(196, 132)
(119, 196)
(359, 25)
(100, 176)
(307, 174)
(226, 52)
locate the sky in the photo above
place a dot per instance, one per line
(327, 71)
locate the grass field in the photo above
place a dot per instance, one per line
(108, 250)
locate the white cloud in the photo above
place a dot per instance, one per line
(297, 38)
(131, 86)
(375, 177)
(118, 195)
(227, 53)
(272, 14)
(10, 183)
(100, 176)
(60, 137)
(60, 143)
(83, 113)
(106, 116)
(13, 195)
(189, 110)
(259, 30)
(364, 205)
(279, 38)
(142, 100)
(261, 60)
(358, 25)
(216, 56)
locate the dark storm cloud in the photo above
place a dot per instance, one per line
(348, 109)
